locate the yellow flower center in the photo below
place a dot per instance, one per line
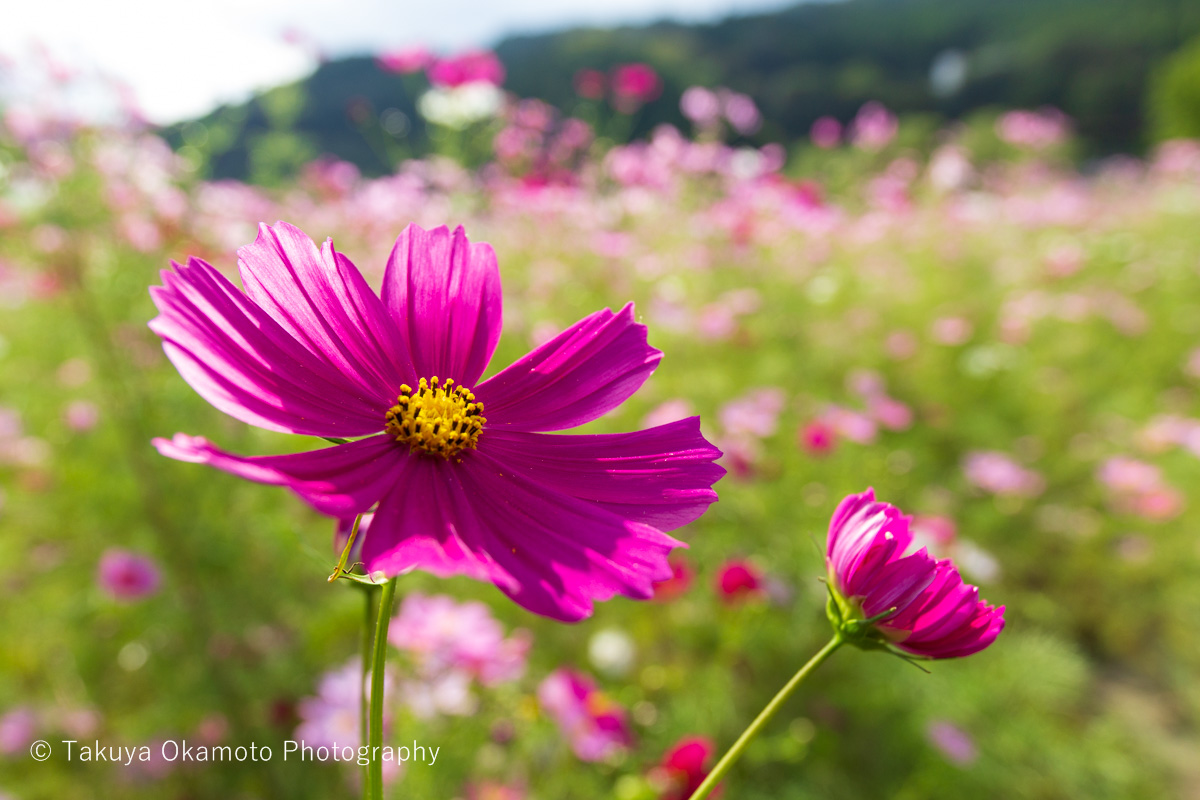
(442, 420)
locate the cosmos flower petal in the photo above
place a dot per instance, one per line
(443, 294)
(427, 522)
(321, 299)
(661, 476)
(239, 359)
(584, 372)
(341, 481)
(551, 553)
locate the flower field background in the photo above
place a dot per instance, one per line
(995, 340)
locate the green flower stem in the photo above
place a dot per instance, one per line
(378, 664)
(762, 719)
(364, 702)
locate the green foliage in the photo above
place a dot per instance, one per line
(1174, 95)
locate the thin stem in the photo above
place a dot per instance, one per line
(378, 664)
(363, 696)
(762, 719)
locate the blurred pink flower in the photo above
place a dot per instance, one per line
(701, 106)
(488, 790)
(951, 331)
(1033, 129)
(999, 474)
(594, 725)
(741, 112)
(890, 413)
(873, 127)
(679, 582)
(872, 567)
(590, 83)
(685, 766)
(405, 61)
(126, 575)
(18, 728)
(739, 580)
(669, 411)
(1136, 487)
(818, 438)
(1192, 368)
(850, 425)
(826, 133)
(442, 634)
(1129, 475)
(634, 85)
(952, 742)
(755, 413)
(81, 415)
(474, 66)
(933, 532)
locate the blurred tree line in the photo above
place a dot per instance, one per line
(1106, 63)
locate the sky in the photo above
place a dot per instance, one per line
(181, 59)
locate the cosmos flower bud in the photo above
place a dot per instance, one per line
(882, 594)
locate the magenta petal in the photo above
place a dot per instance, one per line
(237, 358)
(321, 299)
(443, 294)
(661, 476)
(341, 481)
(550, 553)
(427, 522)
(587, 370)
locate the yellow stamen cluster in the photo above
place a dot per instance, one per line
(439, 419)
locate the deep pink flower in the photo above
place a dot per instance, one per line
(686, 766)
(127, 575)
(872, 570)
(475, 66)
(464, 481)
(594, 725)
(633, 85)
(818, 438)
(739, 580)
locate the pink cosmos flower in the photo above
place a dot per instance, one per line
(404, 62)
(475, 66)
(590, 83)
(441, 633)
(998, 473)
(594, 725)
(463, 479)
(18, 728)
(874, 126)
(739, 580)
(634, 85)
(818, 438)
(686, 765)
(332, 716)
(826, 133)
(700, 105)
(126, 575)
(953, 742)
(871, 570)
